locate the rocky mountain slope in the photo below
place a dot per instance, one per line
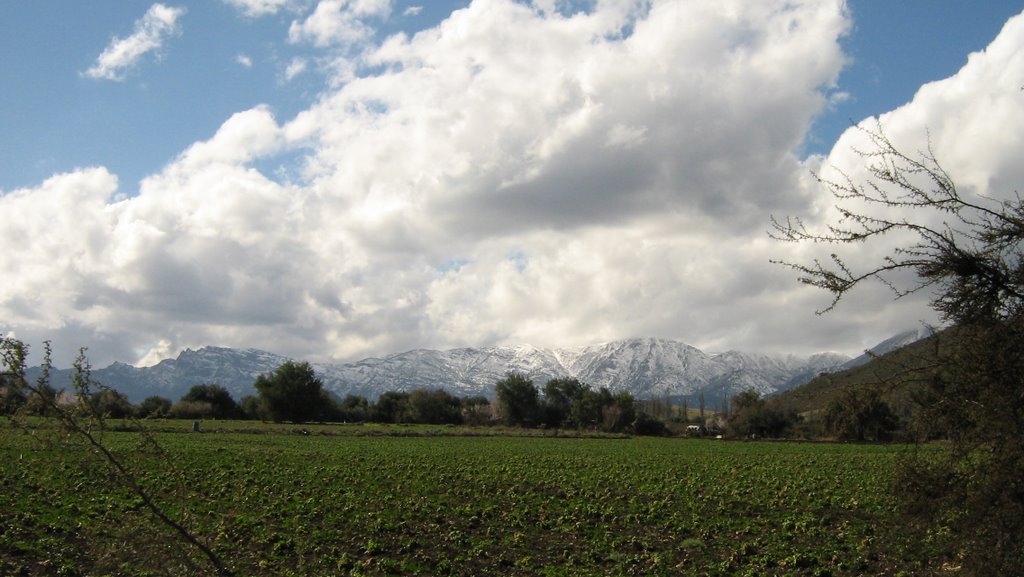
(646, 367)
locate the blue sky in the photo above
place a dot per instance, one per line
(54, 119)
(321, 182)
(895, 47)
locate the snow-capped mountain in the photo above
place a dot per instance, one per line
(467, 371)
(235, 370)
(655, 368)
(891, 344)
(646, 367)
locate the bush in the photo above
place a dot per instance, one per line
(191, 410)
(647, 425)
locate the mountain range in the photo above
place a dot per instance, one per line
(646, 367)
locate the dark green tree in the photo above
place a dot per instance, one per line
(518, 399)
(588, 409)
(644, 424)
(966, 251)
(207, 401)
(435, 407)
(154, 407)
(559, 395)
(392, 407)
(354, 409)
(752, 416)
(12, 393)
(252, 408)
(860, 414)
(293, 393)
(112, 404)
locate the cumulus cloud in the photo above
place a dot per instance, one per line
(512, 175)
(244, 60)
(970, 122)
(151, 32)
(339, 22)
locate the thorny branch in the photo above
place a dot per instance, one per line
(13, 353)
(969, 248)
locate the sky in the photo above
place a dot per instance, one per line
(338, 179)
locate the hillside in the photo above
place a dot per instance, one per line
(894, 367)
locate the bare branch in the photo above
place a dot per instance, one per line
(974, 258)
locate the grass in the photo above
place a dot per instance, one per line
(375, 500)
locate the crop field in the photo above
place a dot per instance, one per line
(276, 500)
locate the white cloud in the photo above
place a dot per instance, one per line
(412, 11)
(588, 186)
(970, 122)
(373, 8)
(339, 22)
(624, 136)
(256, 8)
(244, 60)
(296, 67)
(151, 32)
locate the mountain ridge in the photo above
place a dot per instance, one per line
(646, 367)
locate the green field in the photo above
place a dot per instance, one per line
(356, 500)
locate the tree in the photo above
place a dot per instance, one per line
(620, 413)
(207, 401)
(42, 401)
(559, 396)
(252, 408)
(751, 416)
(435, 407)
(155, 407)
(647, 425)
(588, 410)
(293, 392)
(112, 404)
(518, 399)
(12, 393)
(967, 250)
(861, 415)
(392, 407)
(354, 409)
(476, 410)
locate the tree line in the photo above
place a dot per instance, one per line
(294, 393)
(858, 414)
